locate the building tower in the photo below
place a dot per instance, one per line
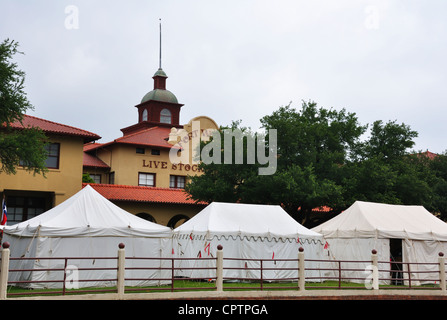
(159, 107)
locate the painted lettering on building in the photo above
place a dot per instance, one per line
(154, 164)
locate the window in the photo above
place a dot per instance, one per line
(177, 182)
(146, 216)
(146, 179)
(177, 220)
(165, 116)
(112, 177)
(155, 152)
(140, 150)
(144, 116)
(52, 160)
(53, 155)
(24, 208)
(96, 177)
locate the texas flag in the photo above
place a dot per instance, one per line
(4, 213)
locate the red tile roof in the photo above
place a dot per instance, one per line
(92, 161)
(152, 137)
(429, 155)
(91, 146)
(322, 209)
(54, 127)
(143, 194)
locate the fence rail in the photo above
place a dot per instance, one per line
(127, 272)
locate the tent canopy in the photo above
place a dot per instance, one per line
(248, 220)
(368, 219)
(87, 213)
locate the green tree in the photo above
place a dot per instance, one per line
(389, 141)
(86, 178)
(312, 144)
(26, 146)
(220, 181)
(322, 161)
(384, 171)
(438, 182)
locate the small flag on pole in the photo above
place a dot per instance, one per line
(207, 248)
(4, 212)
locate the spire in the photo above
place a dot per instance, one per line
(160, 76)
(159, 66)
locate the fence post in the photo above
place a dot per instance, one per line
(219, 268)
(441, 260)
(301, 277)
(4, 270)
(121, 269)
(375, 270)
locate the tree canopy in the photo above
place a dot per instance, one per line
(17, 147)
(324, 160)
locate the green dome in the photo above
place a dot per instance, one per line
(160, 95)
(160, 73)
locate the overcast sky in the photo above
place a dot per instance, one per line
(88, 63)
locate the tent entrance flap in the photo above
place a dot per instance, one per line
(396, 261)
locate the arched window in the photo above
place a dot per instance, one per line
(144, 117)
(146, 216)
(177, 221)
(165, 116)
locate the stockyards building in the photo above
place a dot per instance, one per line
(144, 171)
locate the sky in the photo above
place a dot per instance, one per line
(89, 63)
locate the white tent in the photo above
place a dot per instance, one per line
(85, 225)
(246, 232)
(365, 226)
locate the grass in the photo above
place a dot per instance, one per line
(189, 285)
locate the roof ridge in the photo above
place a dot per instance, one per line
(143, 194)
(60, 124)
(136, 133)
(91, 146)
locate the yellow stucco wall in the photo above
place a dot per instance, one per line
(64, 181)
(162, 212)
(126, 163)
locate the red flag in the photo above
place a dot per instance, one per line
(207, 248)
(4, 217)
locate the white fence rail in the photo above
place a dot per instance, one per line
(217, 266)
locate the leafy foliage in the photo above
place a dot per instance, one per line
(323, 161)
(17, 147)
